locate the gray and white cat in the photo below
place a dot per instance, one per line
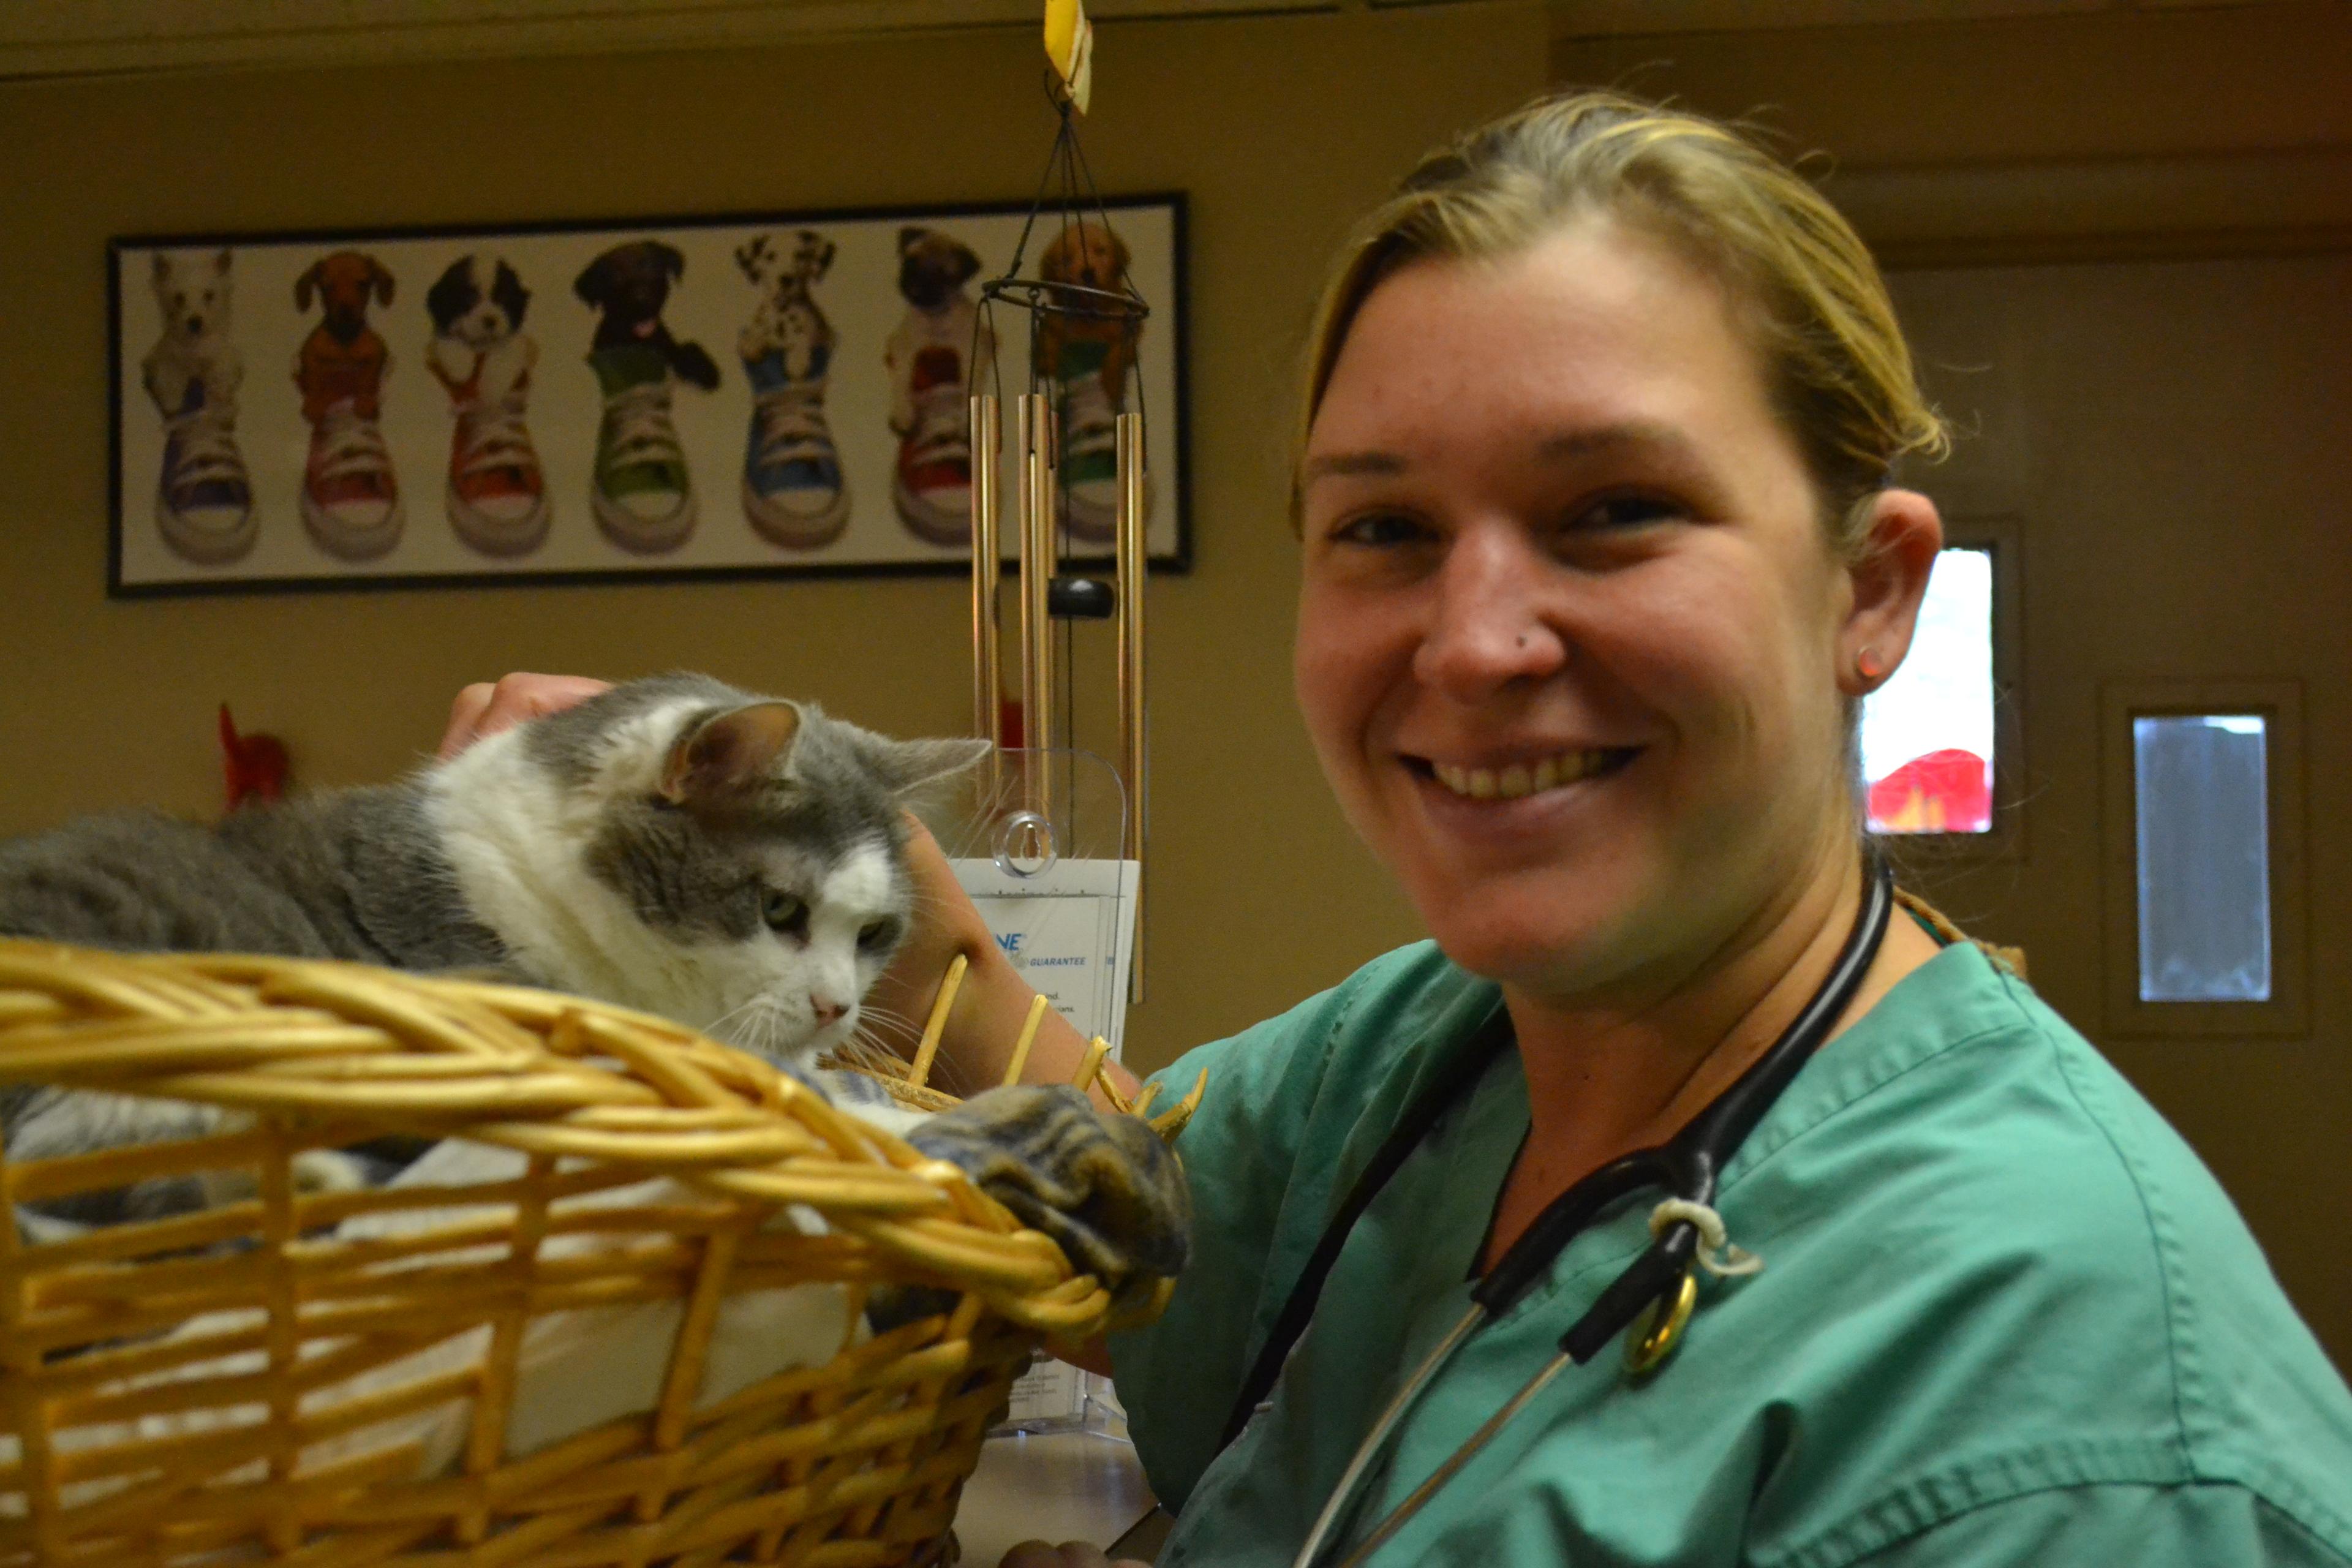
(729, 861)
(734, 862)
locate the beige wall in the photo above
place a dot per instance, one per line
(1262, 895)
(2107, 84)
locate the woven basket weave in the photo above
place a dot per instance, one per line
(176, 1389)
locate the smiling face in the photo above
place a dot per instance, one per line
(1568, 629)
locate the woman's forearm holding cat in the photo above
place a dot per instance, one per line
(993, 1003)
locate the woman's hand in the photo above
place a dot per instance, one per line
(945, 924)
(485, 708)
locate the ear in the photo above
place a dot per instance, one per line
(1887, 583)
(307, 284)
(906, 767)
(381, 278)
(673, 259)
(441, 300)
(221, 259)
(729, 755)
(967, 262)
(594, 281)
(513, 295)
(909, 238)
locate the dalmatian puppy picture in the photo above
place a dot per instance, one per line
(793, 492)
(496, 494)
(204, 496)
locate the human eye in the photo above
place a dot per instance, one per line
(1625, 513)
(1380, 530)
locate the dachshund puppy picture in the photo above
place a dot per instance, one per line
(350, 500)
(204, 496)
(497, 496)
(931, 384)
(640, 492)
(794, 493)
(1087, 361)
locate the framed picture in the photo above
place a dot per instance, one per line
(672, 399)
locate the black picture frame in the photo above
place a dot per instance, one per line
(139, 444)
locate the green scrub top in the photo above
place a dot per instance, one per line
(2005, 1316)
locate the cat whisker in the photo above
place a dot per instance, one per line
(891, 1028)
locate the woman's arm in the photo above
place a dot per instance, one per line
(993, 1001)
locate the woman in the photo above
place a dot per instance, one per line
(1600, 556)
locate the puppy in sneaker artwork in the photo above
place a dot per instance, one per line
(1085, 362)
(640, 492)
(794, 493)
(204, 496)
(350, 500)
(931, 384)
(497, 496)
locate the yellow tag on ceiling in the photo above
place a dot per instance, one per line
(1070, 44)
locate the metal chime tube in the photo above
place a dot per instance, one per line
(987, 551)
(1036, 500)
(1133, 562)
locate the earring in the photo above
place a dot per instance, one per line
(1866, 664)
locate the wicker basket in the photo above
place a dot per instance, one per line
(199, 1388)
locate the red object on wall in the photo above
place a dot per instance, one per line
(255, 767)
(1948, 791)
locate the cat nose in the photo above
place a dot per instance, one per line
(828, 1012)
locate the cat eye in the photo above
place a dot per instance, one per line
(785, 913)
(878, 935)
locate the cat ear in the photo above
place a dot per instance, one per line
(905, 767)
(729, 755)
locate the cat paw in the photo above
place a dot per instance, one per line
(1104, 1187)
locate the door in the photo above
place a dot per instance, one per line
(2159, 450)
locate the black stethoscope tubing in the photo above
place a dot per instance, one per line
(1688, 1167)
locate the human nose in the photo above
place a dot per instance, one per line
(1488, 625)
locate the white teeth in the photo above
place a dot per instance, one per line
(1520, 779)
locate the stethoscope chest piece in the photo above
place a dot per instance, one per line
(1651, 1337)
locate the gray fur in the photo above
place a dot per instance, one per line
(360, 875)
(353, 875)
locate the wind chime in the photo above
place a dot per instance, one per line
(1085, 317)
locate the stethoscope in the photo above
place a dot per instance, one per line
(1658, 1289)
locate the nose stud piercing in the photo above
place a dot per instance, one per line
(1868, 664)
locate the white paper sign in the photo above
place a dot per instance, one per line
(1070, 930)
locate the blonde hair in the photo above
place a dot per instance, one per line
(1834, 359)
